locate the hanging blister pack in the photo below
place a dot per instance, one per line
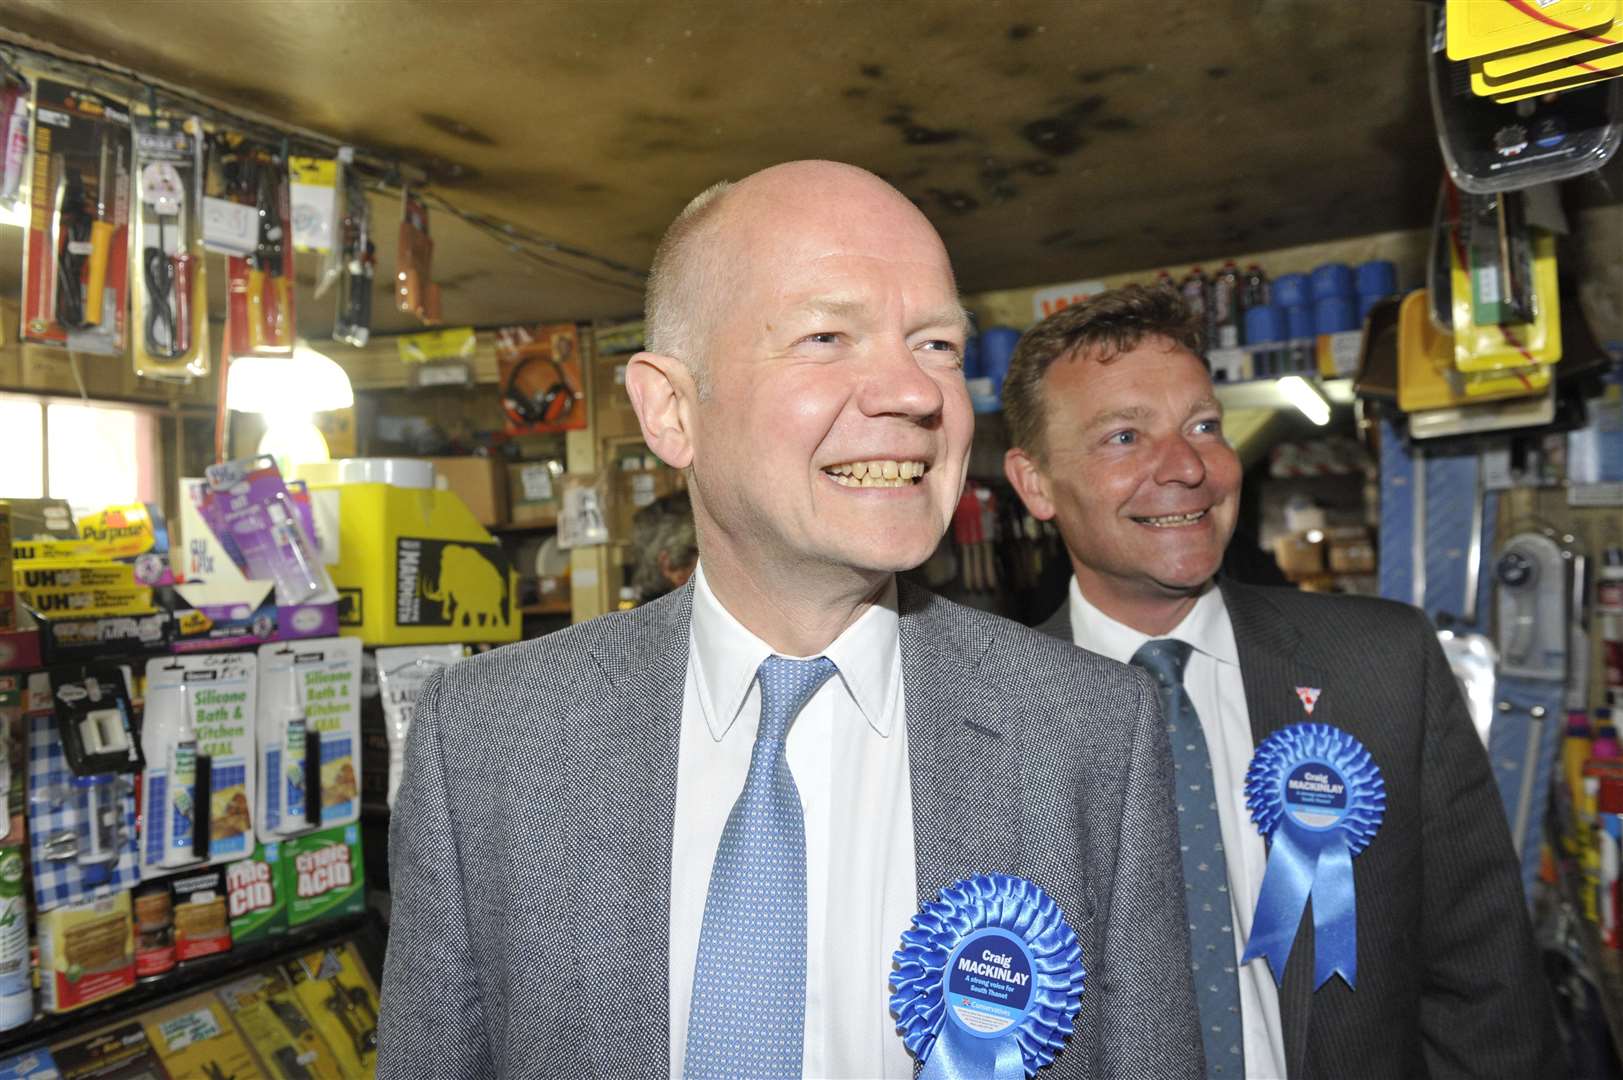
(14, 92)
(259, 293)
(401, 674)
(75, 279)
(415, 291)
(250, 511)
(357, 266)
(171, 296)
(198, 735)
(309, 736)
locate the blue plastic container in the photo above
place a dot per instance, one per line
(1334, 314)
(1264, 324)
(1289, 290)
(1299, 321)
(1332, 280)
(1378, 277)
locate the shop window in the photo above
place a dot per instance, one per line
(92, 455)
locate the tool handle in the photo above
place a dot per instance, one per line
(181, 268)
(256, 310)
(101, 243)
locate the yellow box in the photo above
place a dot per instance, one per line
(86, 952)
(417, 568)
(77, 602)
(196, 1040)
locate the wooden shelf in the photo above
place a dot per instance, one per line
(523, 526)
(552, 608)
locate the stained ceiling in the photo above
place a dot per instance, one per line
(1048, 141)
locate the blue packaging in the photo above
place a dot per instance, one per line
(1264, 324)
(1332, 279)
(1335, 314)
(1378, 277)
(1299, 321)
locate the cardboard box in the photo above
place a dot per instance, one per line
(615, 416)
(416, 568)
(322, 876)
(480, 482)
(637, 489)
(86, 952)
(202, 927)
(1351, 551)
(533, 491)
(1299, 557)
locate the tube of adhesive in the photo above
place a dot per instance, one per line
(182, 796)
(295, 570)
(295, 747)
(16, 149)
(399, 680)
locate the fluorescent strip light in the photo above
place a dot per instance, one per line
(1306, 397)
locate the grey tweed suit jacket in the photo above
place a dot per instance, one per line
(530, 847)
(1449, 979)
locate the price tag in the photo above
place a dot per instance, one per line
(537, 482)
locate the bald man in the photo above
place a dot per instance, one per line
(685, 840)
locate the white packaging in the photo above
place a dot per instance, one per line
(401, 673)
(318, 681)
(212, 701)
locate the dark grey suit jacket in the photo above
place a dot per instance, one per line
(1449, 979)
(531, 842)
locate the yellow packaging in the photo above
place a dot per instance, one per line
(278, 1028)
(8, 600)
(336, 991)
(1507, 382)
(1491, 348)
(1553, 54)
(132, 600)
(86, 952)
(417, 568)
(128, 529)
(1484, 27)
(51, 574)
(195, 1040)
(1572, 82)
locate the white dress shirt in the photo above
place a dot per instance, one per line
(1215, 687)
(848, 752)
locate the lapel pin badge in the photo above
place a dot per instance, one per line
(1309, 696)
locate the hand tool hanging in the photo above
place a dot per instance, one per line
(74, 271)
(170, 303)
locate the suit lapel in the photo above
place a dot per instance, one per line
(1273, 670)
(963, 753)
(622, 837)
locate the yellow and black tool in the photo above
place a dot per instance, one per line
(101, 239)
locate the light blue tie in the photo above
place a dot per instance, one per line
(1205, 872)
(749, 986)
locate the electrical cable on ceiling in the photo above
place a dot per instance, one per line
(383, 174)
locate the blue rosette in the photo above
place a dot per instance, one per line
(988, 980)
(1318, 798)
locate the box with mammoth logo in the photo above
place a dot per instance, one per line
(417, 568)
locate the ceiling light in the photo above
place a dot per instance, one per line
(305, 382)
(1307, 397)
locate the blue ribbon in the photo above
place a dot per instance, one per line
(988, 901)
(1306, 861)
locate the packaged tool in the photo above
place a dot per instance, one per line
(74, 267)
(120, 1052)
(313, 189)
(86, 952)
(196, 1040)
(278, 1028)
(81, 829)
(171, 295)
(198, 736)
(336, 991)
(14, 93)
(415, 291)
(249, 509)
(259, 300)
(309, 736)
(357, 266)
(540, 370)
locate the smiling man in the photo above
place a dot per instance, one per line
(1118, 437)
(685, 840)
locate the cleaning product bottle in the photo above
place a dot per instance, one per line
(16, 978)
(1254, 289)
(1196, 292)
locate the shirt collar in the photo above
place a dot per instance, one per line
(1206, 628)
(725, 656)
